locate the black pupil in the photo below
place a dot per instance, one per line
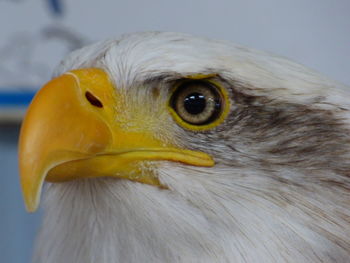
(195, 103)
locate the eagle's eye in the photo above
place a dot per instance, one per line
(197, 103)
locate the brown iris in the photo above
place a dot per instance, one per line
(197, 102)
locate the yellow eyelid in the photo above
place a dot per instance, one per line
(201, 76)
(226, 107)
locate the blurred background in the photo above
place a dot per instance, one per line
(36, 34)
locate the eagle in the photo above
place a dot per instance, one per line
(168, 147)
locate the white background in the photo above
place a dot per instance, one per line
(315, 33)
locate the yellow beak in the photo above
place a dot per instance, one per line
(71, 131)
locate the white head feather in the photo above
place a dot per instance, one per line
(238, 213)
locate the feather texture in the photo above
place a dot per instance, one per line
(280, 191)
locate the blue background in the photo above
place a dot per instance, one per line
(17, 227)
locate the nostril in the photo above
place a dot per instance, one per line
(93, 100)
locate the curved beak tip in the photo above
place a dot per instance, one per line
(63, 137)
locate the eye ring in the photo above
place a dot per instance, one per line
(198, 104)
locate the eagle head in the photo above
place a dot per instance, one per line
(165, 147)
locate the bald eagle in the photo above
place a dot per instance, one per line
(165, 147)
